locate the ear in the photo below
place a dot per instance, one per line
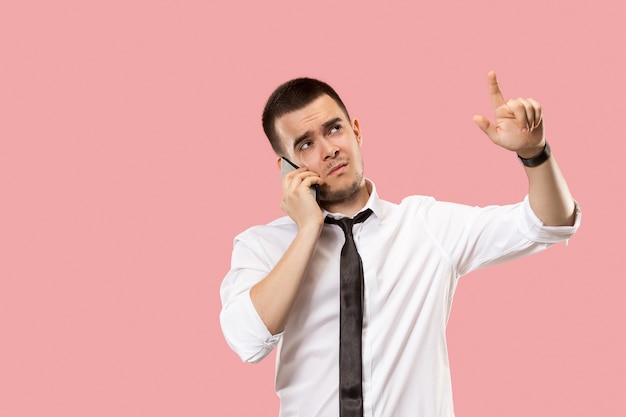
(356, 128)
(278, 164)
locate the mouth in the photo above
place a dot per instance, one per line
(337, 169)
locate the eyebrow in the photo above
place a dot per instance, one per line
(308, 133)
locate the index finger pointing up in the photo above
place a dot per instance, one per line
(494, 90)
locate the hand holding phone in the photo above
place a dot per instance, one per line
(287, 166)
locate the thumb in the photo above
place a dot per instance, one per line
(485, 125)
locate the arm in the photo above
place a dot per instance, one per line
(549, 195)
(275, 294)
(519, 127)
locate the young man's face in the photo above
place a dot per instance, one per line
(320, 137)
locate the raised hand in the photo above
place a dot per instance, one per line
(518, 123)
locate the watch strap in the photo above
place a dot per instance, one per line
(538, 159)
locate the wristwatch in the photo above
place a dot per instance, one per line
(538, 159)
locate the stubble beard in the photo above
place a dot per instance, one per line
(330, 197)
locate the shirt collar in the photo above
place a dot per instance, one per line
(373, 202)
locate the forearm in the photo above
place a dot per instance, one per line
(274, 295)
(549, 195)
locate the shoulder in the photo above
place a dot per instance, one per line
(276, 230)
(429, 210)
(411, 210)
(417, 201)
(420, 204)
(428, 204)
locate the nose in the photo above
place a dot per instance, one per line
(330, 150)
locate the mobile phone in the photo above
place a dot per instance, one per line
(287, 166)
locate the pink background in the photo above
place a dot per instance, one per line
(131, 154)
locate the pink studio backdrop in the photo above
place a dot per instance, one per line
(131, 154)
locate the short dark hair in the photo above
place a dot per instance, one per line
(291, 96)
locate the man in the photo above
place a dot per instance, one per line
(284, 287)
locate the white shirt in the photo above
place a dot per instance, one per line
(413, 254)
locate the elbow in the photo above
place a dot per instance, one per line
(569, 218)
(251, 343)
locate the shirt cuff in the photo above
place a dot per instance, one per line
(245, 332)
(534, 229)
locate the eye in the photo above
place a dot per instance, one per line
(305, 145)
(335, 128)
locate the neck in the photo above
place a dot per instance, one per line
(352, 204)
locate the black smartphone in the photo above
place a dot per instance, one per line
(287, 166)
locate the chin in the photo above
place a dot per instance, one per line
(339, 194)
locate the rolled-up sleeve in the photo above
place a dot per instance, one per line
(243, 329)
(478, 237)
(536, 231)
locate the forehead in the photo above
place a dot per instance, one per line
(309, 118)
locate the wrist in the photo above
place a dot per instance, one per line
(310, 229)
(536, 159)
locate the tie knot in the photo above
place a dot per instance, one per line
(346, 223)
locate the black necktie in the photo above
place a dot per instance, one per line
(351, 320)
